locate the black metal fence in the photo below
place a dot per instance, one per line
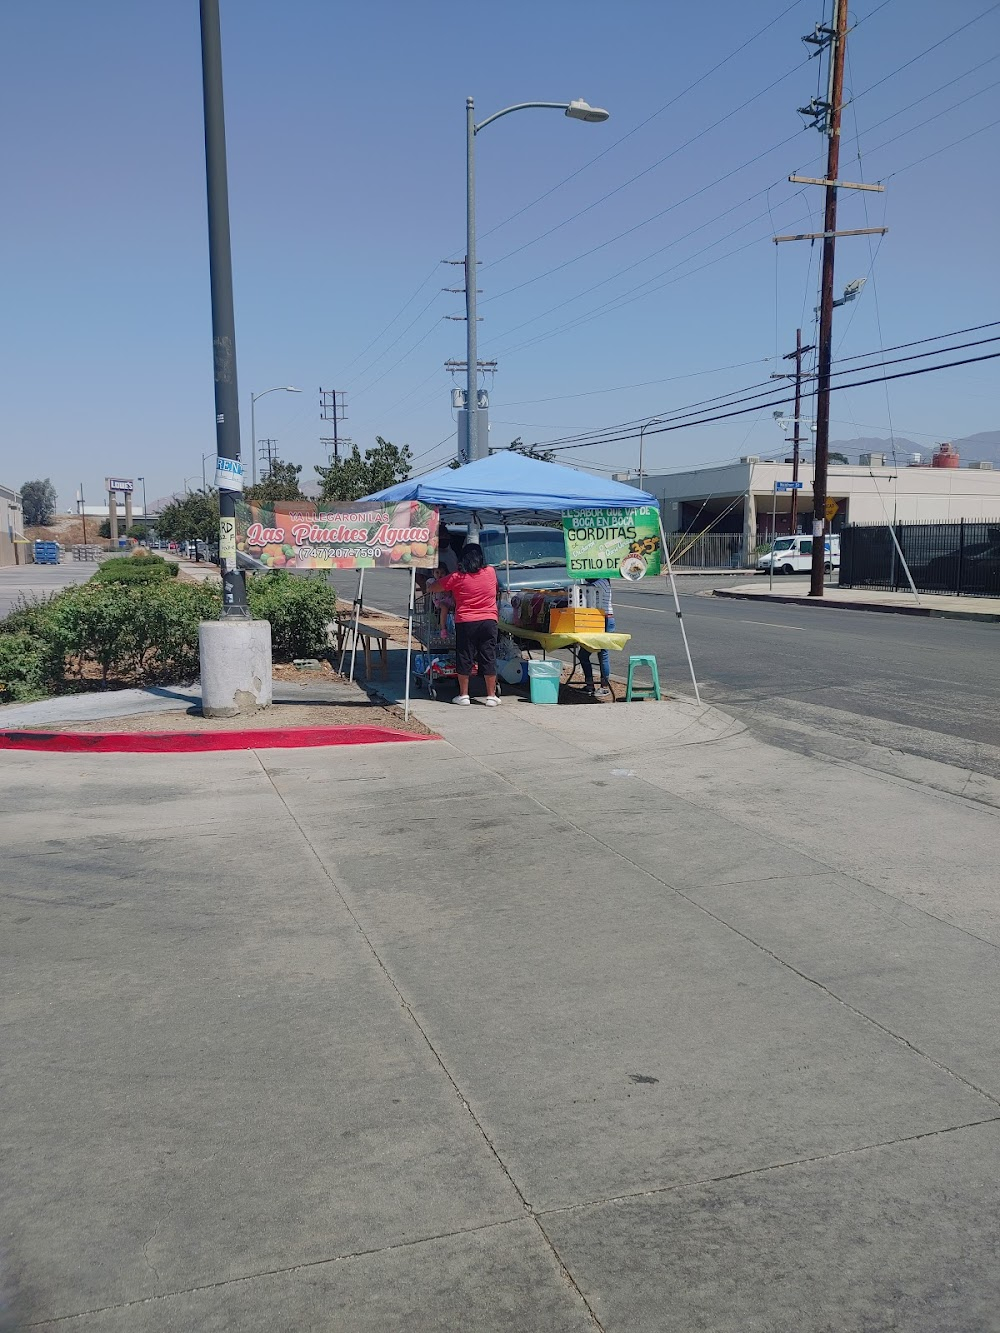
(959, 557)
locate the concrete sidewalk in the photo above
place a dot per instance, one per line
(796, 591)
(578, 1018)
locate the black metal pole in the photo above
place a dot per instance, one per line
(227, 411)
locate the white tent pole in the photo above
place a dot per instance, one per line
(409, 640)
(677, 605)
(357, 618)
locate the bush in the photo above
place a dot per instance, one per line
(22, 667)
(136, 569)
(299, 607)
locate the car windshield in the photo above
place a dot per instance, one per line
(784, 543)
(528, 550)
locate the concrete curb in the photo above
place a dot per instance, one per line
(928, 612)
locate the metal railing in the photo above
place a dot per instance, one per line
(961, 558)
(710, 550)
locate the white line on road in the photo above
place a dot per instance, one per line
(666, 611)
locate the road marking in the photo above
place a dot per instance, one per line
(668, 611)
(797, 629)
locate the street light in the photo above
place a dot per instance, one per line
(204, 482)
(576, 110)
(653, 421)
(278, 388)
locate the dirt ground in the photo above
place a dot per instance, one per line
(360, 714)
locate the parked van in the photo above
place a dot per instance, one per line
(793, 555)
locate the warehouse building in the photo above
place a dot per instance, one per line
(740, 498)
(11, 525)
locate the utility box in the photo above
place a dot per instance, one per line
(872, 460)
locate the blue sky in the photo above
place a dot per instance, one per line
(346, 165)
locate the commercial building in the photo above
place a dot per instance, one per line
(740, 498)
(11, 526)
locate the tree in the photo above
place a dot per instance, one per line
(839, 458)
(38, 502)
(281, 483)
(195, 515)
(352, 477)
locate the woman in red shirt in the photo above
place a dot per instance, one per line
(474, 589)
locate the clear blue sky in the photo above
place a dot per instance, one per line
(346, 166)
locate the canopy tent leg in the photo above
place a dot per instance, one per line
(409, 641)
(677, 605)
(357, 618)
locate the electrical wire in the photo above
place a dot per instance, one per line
(743, 411)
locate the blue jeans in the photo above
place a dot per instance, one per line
(603, 657)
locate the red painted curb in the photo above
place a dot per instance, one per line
(187, 742)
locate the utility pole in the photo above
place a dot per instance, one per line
(83, 512)
(835, 100)
(798, 354)
(227, 407)
(827, 115)
(268, 453)
(332, 410)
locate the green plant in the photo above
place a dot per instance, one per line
(38, 502)
(195, 515)
(281, 483)
(22, 667)
(299, 607)
(351, 477)
(136, 569)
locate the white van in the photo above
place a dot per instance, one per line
(793, 555)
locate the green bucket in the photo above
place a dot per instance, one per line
(543, 680)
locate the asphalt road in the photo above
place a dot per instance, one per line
(928, 687)
(32, 581)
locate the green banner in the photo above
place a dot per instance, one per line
(612, 543)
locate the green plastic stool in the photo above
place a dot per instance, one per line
(643, 660)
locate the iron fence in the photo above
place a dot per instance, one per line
(961, 558)
(710, 550)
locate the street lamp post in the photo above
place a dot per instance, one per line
(278, 388)
(653, 421)
(577, 110)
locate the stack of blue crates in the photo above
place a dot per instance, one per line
(46, 553)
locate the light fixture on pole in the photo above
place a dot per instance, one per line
(653, 421)
(575, 110)
(278, 388)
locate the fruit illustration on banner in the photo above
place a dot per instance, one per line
(301, 535)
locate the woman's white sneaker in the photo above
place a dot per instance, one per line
(491, 701)
(461, 699)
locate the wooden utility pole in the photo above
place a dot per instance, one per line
(835, 100)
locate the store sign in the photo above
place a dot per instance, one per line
(119, 484)
(297, 534)
(612, 543)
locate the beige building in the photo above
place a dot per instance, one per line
(740, 497)
(11, 527)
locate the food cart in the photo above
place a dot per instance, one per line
(508, 488)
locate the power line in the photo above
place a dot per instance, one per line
(405, 306)
(643, 384)
(743, 411)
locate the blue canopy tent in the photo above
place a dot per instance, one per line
(516, 489)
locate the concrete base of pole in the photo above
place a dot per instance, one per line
(235, 666)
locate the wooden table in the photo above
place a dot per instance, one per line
(366, 633)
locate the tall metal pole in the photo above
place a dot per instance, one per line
(835, 107)
(227, 410)
(471, 341)
(253, 439)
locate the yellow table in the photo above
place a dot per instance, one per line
(551, 642)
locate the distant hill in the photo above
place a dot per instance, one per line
(983, 447)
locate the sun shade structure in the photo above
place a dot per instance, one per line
(515, 488)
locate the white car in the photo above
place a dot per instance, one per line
(793, 555)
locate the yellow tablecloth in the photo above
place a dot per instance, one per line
(550, 642)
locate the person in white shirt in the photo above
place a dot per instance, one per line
(602, 596)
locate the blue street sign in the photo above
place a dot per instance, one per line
(788, 485)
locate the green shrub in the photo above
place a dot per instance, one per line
(22, 667)
(299, 608)
(136, 569)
